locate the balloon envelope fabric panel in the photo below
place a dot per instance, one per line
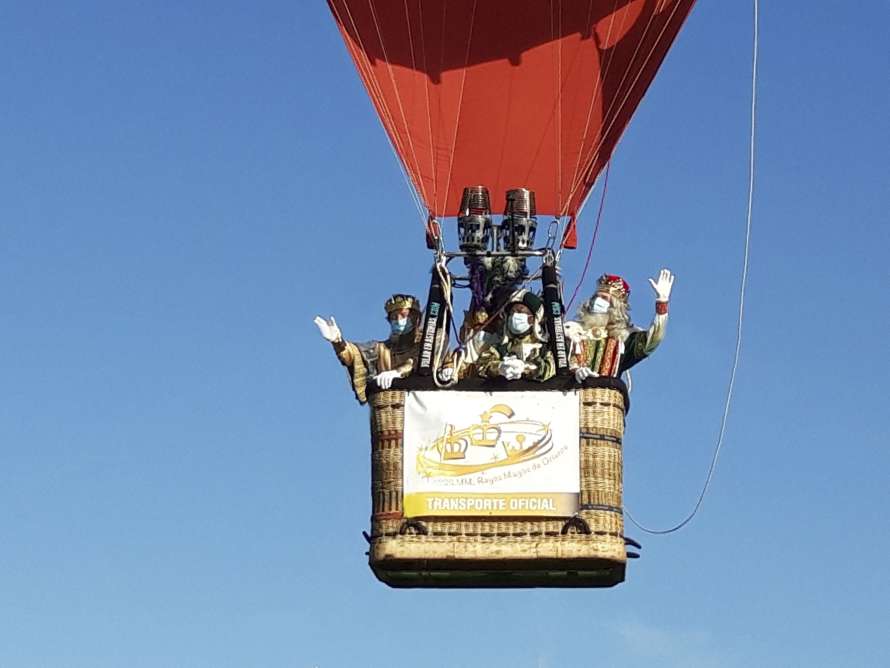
(507, 93)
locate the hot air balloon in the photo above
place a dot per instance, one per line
(525, 98)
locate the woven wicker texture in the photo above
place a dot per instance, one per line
(602, 428)
(387, 419)
(485, 539)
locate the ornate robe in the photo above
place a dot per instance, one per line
(538, 357)
(610, 356)
(365, 360)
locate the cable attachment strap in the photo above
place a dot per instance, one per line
(553, 313)
(446, 281)
(435, 322)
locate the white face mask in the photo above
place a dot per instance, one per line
(519, 323)
(601, 305)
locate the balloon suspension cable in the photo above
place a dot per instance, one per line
(377, 98)
(416, 189)
(596, 229)
(741, 310)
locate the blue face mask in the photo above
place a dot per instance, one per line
(519, 323)
(401, 325)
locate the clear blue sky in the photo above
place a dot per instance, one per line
(183, 470)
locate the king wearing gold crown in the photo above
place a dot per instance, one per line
(604, 342)
(383, 361)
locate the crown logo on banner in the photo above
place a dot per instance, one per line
(490, 443)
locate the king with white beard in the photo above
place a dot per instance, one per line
(603, 340)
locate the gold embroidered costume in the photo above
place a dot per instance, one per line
(398, 353)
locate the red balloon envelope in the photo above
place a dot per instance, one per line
(507, 93)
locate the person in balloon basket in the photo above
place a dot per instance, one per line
(382, 361)
(604, 342)
(522, 351)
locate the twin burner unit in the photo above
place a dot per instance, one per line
(514, 235)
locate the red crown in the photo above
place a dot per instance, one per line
(614, 285)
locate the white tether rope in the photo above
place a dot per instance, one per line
(741, 315)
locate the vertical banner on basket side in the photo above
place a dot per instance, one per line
(491, 453)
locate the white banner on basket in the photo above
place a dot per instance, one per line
(491, 453)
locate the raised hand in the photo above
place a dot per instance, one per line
(663, 285)
(328, 329)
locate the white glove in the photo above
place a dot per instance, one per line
(446, 374)
(384, 379)
(583, 373)
(663, 285)
(511, 368)
(328, 329)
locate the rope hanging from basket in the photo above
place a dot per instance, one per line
(743, 283)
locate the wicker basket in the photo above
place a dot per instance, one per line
(587, 550)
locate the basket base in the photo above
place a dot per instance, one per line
(501, 574)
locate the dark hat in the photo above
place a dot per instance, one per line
(531, 301)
